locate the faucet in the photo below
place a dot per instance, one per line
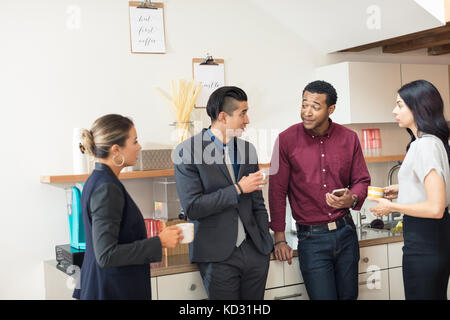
(393, 215)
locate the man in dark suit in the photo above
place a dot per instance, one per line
(218, 182)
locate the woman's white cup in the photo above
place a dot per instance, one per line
(375, 192)
(187, 232)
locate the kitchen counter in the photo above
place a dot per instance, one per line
(180, 263)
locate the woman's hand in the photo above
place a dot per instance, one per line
(171, 236)
(383, 207)
(391, 192)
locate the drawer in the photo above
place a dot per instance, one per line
(374, 285)
(395, 254)
(297, 292)
(275, 278)
(183, 286)
(292, 273)
(373, 257)
(154, 285)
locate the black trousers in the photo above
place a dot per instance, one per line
(242, 276)
(426, 258)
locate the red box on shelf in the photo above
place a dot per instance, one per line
(154, 227)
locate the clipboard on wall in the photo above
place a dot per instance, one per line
(211, 73)
(147, 28)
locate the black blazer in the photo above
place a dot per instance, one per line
(210, 201)
(117, 260)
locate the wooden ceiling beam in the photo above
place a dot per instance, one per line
(438, 50)
(408, 37)
(418, 43)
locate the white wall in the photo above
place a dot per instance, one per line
(53, 79)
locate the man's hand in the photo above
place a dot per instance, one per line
(252, 182)
(282, 250)
(344, 201)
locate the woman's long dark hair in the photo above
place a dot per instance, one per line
(427, 107)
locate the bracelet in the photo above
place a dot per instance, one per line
(240, 189)
(280, 242)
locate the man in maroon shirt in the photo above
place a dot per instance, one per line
(314, 158)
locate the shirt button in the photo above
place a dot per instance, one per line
(323, 155)
(329, 214)
(324, 185)
(313, 137)
(321, 141)
(323, 170)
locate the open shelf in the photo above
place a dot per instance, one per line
(122, 175)
(170, 172)
(384, 158)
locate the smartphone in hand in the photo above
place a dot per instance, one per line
(338, 192)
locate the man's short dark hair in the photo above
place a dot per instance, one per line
(223, 99)
(320, 86)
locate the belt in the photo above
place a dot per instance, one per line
(337, 224)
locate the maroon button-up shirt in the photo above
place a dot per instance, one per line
(309, 166)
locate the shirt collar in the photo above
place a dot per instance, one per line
(327, 133)
(216, 140)
(102, 166)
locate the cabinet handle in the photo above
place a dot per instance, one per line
(193, 287)
(365, 260)
(288, 296)
(366, 282)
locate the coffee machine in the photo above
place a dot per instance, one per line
(77, 238)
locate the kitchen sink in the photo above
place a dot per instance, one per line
(388, 226)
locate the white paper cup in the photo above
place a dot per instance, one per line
(187, 231)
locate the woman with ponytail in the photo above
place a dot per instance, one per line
(118, 254)
(423, 192)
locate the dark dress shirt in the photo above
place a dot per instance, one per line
(309, 166)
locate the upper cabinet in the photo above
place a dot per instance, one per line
(437, 74)
(366, 91)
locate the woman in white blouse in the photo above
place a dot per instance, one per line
(423, 192)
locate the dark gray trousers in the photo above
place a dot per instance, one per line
(240, 277)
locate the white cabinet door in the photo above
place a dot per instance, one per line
(395, 254)
(373, 89)
(396, 288)
(373, 258)
(58, 285)
(448, 290)
(374, 285)
(436, 74)
(297, 292)
(182, 286)
(154, 286)
(366, 91)
(292, 273)
(275, 278)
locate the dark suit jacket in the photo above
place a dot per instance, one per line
(210, 201)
